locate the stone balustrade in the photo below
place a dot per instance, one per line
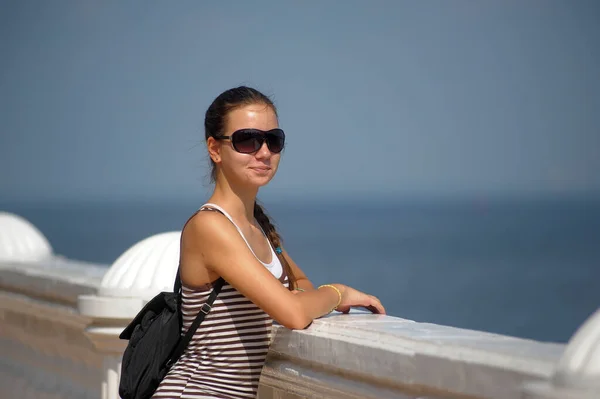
(60, 320)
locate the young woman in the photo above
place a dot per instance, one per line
(231, 237)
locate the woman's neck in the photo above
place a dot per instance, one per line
(238, 202)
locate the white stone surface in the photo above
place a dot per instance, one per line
(21, 241)
(54, 280)
(145, 269)
(389, 357)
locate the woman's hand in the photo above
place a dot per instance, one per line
(352, 298)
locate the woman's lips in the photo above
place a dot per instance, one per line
(262, 169)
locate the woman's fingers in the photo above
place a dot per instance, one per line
(366, 301)
(376, 305)
(343, 309)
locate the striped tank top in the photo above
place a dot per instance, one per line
(225, 356)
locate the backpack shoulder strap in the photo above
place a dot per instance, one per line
(185, 340)
(177, 285)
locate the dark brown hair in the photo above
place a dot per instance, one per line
(214, 125)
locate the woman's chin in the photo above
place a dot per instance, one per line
(260, 181)
(265, 181)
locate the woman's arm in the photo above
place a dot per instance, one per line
(213, 239)
(301, 280)
(352, 297)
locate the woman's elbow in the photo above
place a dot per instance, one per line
(296, 320)
(298, 324)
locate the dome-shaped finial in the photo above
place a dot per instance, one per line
(145, 269)
(21, 241)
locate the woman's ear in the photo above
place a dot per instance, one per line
(214, 149)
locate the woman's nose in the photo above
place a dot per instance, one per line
(263, 151)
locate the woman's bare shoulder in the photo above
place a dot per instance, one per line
(199, 241)
(205, 224)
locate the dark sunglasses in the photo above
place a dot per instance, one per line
(248, 141)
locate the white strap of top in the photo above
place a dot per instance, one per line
(228, 216)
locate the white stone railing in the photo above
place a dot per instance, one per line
(60, 320)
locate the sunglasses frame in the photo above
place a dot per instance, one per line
(262, 137)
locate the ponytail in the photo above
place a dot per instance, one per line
(273, 236)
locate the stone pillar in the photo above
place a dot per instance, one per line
(140, 273)
(577, 375)
(107, 343)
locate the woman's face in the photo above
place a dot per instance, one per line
(255, 169)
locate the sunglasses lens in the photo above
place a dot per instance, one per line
(275, 141)
(246, 142)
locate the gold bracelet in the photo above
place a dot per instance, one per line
(339, 294)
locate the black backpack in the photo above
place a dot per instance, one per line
(155, 341)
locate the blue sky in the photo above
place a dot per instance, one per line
(105, 100)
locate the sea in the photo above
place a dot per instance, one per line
(528, 268)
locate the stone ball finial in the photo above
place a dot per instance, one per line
(145, 269)
(579, 365)
(577, 373)
(21, 241)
